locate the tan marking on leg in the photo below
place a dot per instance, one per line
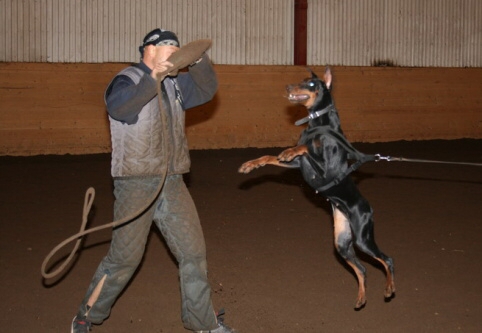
(361, 297)
(260, 162)
(341, 224)
(290, 153)
(390, 286)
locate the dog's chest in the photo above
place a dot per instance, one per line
(325, 161)
(311, 172)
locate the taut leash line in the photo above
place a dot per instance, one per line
(361, 158)
(379, 157)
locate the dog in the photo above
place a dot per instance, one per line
(323, 156)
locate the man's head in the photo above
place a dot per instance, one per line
(157, 47)
(158, 37)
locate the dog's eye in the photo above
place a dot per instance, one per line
(311, 84)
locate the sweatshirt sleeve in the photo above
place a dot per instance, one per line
(199, 84)
(125, 99)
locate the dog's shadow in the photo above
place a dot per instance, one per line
(288, 177)
(293, 177)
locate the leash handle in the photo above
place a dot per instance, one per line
(88, 201)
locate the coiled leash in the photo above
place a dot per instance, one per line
(359, 157)
(185, 56)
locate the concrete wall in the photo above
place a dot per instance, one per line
(58, 108)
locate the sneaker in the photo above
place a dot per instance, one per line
(81, 325)
(222, 327)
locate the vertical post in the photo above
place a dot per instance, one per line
(300, 33)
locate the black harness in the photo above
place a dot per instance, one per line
(354, 154)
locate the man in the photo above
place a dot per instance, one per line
(138, 160)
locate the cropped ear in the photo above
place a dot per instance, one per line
(327, 77)
(313, 75)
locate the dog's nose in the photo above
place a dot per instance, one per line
(289, 87)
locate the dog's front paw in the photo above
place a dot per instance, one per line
(247, 167)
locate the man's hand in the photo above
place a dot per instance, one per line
(160, 67)
(159, 61)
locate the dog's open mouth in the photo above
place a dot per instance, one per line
(296, 98)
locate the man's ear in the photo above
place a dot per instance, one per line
(150, 50)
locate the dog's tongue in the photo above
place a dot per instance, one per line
(298, 97)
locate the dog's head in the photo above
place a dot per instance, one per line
(310, 91)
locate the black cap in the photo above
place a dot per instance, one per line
(159, 37)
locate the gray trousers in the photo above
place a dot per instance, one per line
(175, 214)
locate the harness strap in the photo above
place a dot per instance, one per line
(362, 158)
(353, 167)
(327, 130)
(353, 153)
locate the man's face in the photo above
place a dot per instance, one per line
(162, 53)
(155, 57)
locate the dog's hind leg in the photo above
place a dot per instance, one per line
(363, 230)
(387, 263)
(344, 246)
(359, 214)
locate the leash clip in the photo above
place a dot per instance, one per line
(379, 157)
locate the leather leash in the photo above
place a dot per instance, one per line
(89, 200)
(379, 157)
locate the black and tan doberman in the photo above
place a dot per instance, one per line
(323, 156)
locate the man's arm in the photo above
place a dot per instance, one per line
(125, 100)
(199, 85)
